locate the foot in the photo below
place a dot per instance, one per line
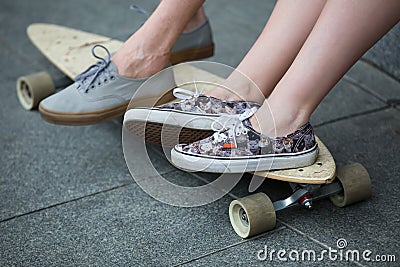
(137, 58)
(103, 91)
(274, 119)
(194, 117)
(239, 148)
(99, 93)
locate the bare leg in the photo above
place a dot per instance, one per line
(344, 31)
(275, 49)
(147, 51)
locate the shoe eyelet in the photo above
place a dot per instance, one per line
(112, 78)
(99, 83)
(105, 81)
(92, 86)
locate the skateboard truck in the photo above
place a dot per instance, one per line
(305, 194)
(306, 201)
(255, 214)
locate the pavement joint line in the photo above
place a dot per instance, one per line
(353, 116)
(231, 246)
(364, 88)
(312, 239)
(66, 202)
(378, 68)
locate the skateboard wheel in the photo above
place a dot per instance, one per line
(33, 88)
(356, 184)
(252, 215)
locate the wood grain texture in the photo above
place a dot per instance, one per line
(69, 49)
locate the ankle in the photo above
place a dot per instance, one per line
(238, 88)
(195, 21)
(283, 123)
(136, 60)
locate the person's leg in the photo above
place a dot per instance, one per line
(345, 30)
(147, 51)
(104, 90)
(275, 49)
(265, 64)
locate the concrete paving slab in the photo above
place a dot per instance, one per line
(44, 164)
(386, 53)
(262, 251)
(119, 227)
(374, 81)
(50, 164)
(372, 224)
(234, 30)
(344, 100)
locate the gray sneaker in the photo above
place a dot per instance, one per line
(194, 45)
(98, 94)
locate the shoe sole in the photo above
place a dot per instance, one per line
(166, 135)
(197, 163)
(192, 54)
(82, 118)
(168, 127)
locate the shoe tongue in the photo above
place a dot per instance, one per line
(249, 126)
(112, 67)
(247, 123)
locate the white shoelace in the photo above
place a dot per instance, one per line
(186, 94)
(231, 126)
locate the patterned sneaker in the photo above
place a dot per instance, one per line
(98, 94)
(191, 119)
(239, 148)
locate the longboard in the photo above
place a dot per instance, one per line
(254, 214)
(68, 49)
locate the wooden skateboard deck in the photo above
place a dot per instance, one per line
(68, 49)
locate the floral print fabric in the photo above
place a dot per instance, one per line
(242, 140)
(210, 105)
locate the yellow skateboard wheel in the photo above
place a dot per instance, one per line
(252, 215)
(356, 184)
(34, 88)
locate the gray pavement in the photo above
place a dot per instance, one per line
(67, 198)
